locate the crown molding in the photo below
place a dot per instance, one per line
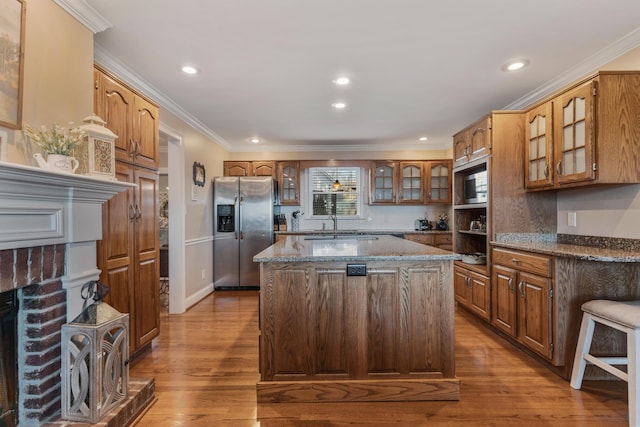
(578, 71)
(343, 148)
(109, 62)
(85, 14)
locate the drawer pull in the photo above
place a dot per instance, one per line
(514, 260)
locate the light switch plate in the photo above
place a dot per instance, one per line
(572, 220)
(194, 193)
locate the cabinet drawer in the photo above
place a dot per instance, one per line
(443, 239)
(425, 239)
(524, 261)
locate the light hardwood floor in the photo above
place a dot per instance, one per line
(205, 364)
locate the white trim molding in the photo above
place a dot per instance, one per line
(85, 14)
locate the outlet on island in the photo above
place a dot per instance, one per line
(356, 270)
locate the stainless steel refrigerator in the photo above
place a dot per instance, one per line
(243, 226)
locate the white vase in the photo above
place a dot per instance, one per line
(58, 163)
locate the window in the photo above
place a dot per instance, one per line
(335, 191)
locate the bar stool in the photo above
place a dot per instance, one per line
(623, 316)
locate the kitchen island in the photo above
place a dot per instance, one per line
(356, 318)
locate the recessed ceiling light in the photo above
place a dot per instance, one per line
(255, 140)
(423, 138)
(189, 69)
(339, 105)
(341, 81)
(515, 65)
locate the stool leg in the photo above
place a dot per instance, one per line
(584, 344)
(633, 358)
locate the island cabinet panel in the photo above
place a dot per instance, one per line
(384, 336)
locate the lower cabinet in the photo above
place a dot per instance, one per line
(128, 254)
(472, 291)
(439, 240)
(522, 298)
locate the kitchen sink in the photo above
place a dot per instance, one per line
(341, 237)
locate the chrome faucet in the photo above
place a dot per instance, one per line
(334, 218)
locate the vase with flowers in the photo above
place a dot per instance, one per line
(58, 143)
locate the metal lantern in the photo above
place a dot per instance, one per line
(95, 362)
(97, 153)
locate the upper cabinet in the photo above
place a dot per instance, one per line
(131, 117)
(586, 135)
(472, 142)
(289, 182)
(415, 182)
(249, 168)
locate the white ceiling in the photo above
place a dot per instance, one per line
(418, 67)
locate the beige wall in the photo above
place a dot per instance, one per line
(58, 73)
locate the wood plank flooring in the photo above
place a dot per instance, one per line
(205, 364)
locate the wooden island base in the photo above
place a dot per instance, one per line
(358, 391)
(359, 321)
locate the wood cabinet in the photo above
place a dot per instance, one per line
(288, 178)
(128, 254)
(131, 117)
(472, 290)
(586, 134)
(250, 168)
(472, 142)
(415, 183)
(522, 298)
(328, 336)
(439, 240)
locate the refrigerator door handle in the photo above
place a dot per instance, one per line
(235, 233)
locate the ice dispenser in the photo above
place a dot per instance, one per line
(226, 218)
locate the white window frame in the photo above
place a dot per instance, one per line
(332, 171)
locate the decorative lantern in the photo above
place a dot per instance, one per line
(95, 360)
(97, 153)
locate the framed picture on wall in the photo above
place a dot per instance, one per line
(11, 62)
(198, 174)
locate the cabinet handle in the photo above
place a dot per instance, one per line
(546, 170)
(510, 284)
(132, 212)
(468, 281)
(131, 148)
(96, 83)
(558, 168)
(521, 288)
(138, 149)
(138, 212)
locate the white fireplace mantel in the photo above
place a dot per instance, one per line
(39, 208)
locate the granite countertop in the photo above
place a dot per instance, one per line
(359, 231)
(347, 248)
(581, 247)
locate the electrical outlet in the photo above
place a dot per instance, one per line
(572, 220)
(356, 270)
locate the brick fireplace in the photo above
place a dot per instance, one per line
(49, 224)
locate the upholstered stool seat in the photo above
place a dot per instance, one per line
(623, 316)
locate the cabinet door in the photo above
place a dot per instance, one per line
(411, 183)
(480, 295)
(234, 168)
(115, 251)
(539, 147)
(480, 138)
(438, 179)
(264, 169)
(145, 134)
(383, 183)
(574, 144)
(462, 286)
(115, 104)
(504, 299)
(147, 249)
(461, 149)
(289, 183)
(534, 313)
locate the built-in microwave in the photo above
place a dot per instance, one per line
(475, 187)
